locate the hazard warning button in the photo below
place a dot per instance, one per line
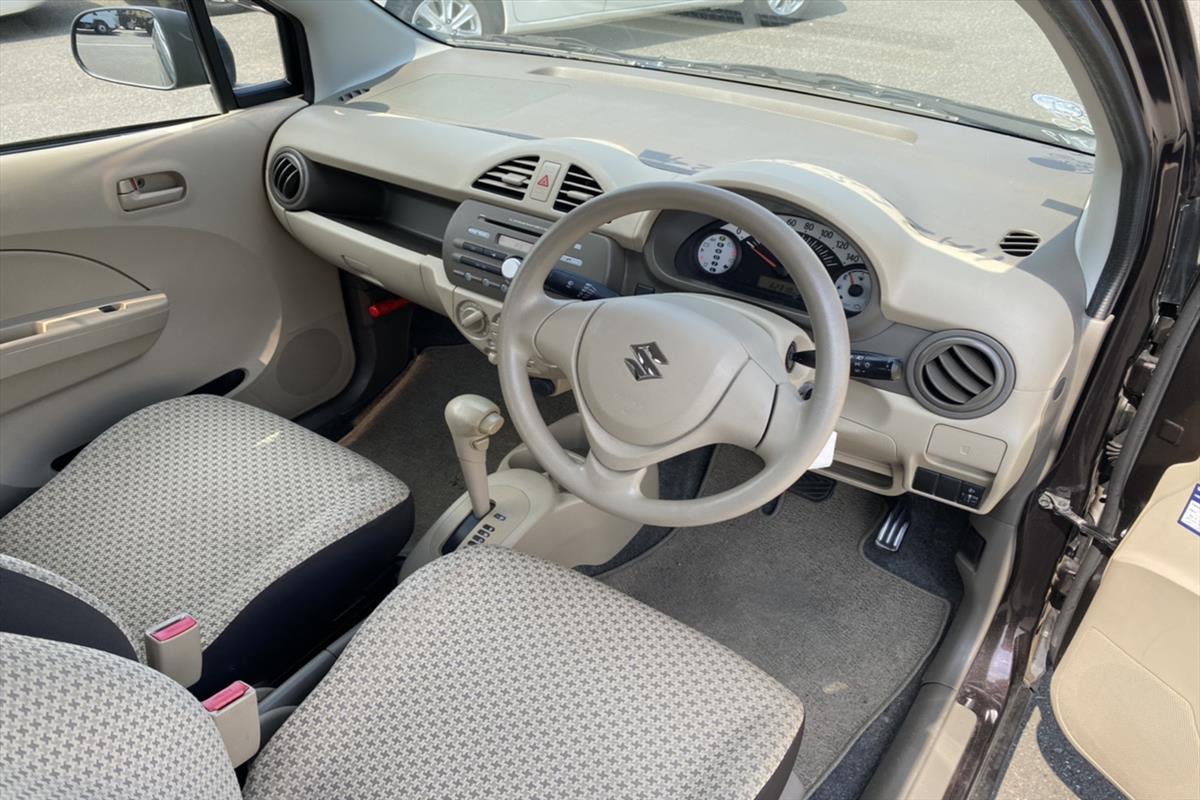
(543, 181)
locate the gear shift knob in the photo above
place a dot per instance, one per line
(473, 420)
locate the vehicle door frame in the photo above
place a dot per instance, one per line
(1148, 49)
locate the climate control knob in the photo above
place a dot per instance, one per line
(472, 319)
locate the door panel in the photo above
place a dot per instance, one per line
(33, 282)
(1127, 692)
(242, 293)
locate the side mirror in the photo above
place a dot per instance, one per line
(154, 48)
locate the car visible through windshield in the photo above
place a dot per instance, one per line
(974, 62)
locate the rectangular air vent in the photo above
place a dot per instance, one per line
(509, 179)
(577, 188)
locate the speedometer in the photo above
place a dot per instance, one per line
(840, 257)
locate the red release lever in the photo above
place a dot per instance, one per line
(385, 307)
(226, 696)
(173, 629)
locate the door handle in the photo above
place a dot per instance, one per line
(147, 191)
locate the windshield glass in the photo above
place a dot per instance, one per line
(974, 62)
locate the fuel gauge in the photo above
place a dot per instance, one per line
(854, 288)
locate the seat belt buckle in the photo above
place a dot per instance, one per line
(173, 648)
(234, 709)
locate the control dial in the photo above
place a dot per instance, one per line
(510, 267)
(472, 319)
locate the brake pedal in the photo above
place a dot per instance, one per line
(895, 526)
(814, 487)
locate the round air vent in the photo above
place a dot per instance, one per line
(288, 178)
(960, 374)
(1020, 243)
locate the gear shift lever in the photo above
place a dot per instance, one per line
(473, 420)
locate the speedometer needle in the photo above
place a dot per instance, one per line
(753, 243)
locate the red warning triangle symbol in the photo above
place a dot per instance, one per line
(544, 181)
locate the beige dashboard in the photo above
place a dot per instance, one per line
(926, 202)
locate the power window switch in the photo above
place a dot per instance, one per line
(543, 181)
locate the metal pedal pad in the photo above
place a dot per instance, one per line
(894, 528)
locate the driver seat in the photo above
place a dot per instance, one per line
(488, 673)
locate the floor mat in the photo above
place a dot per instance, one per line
(793, 593)
(405, 431)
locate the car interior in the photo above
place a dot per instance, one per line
(500, 421)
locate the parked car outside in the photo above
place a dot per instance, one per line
(470, 19)
(8, 7)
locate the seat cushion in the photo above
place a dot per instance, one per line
(79, 723)
(208, 506)
(490, 673)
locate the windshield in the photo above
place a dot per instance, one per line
(982, 63)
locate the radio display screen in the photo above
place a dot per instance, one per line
(513, 243)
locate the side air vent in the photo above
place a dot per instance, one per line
(288, 178)
(960, 374)
(577, 188)
(1020, 243)
(509, 179)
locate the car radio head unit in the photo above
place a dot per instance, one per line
(480, 237)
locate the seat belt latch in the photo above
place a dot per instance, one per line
(234, 709)
(173, 648)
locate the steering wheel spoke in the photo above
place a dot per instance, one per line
(556, 335)
(618, 485)
(789, 419)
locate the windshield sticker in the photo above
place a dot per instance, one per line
(1066, 114)
(1190, 518)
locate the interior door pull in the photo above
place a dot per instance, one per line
(147, 191)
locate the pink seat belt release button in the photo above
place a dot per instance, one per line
(173, 648)
(234, 710)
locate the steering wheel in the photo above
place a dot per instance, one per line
(659, 375)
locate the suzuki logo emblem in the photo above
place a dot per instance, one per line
(646, 360)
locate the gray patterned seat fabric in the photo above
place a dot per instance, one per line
(80, 723)
(490, 673)
(260, 529)
(487, 674)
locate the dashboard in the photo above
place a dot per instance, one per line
(438, 201)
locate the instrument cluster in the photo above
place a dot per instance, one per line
(727, 256)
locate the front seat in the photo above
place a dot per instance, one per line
(486, 674)
(262, 531)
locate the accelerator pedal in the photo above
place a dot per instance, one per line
(895, 527)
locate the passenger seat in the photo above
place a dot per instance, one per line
(202, 508)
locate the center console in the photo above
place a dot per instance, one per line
(481, 238)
